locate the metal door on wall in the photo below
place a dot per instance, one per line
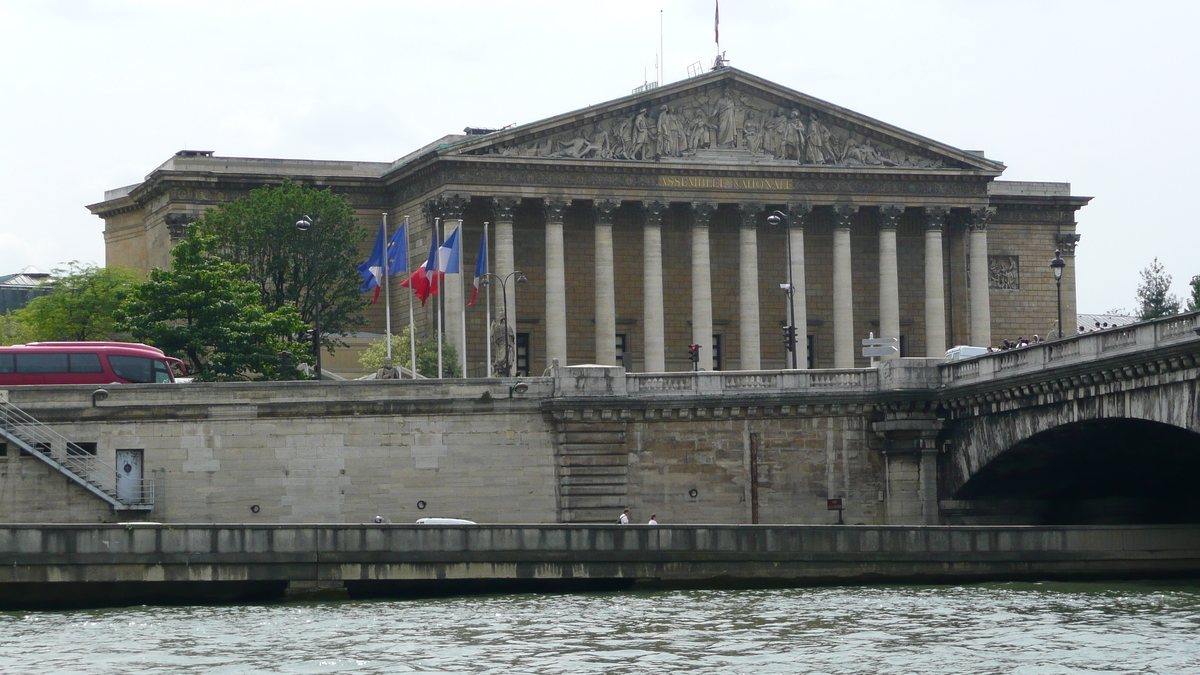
(129, 476)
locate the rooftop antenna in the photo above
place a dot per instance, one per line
(662, 54)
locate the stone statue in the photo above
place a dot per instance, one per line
(793, 138)
(818, 148)
(502, 358)
(672, 140)
(639, 143)
(387, 371)
(726, 114)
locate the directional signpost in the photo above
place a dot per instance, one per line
(876, 347)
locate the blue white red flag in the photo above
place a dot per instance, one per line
(449, 260)
(423, 282)
(372, 269)
(481, 266)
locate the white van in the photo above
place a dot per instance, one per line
(965, 352)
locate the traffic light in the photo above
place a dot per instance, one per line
(694, 354)
(789, 338)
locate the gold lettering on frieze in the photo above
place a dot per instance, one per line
(725, 183)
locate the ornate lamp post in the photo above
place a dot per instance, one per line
(508, 363)
(789, 332)
(1057, 266)
(303, 225)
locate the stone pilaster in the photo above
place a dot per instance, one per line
(981, 305)
(556, 283)
(606, 310)
(702, 318)
(798, 216)
(749, 327)
(843, 289)
(935, 285)
(889, 277)
(505, 209)
(652, 280)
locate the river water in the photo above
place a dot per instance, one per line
(1027, 628)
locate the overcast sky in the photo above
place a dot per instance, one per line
(95, 95)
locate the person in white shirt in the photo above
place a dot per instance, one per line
(624, 519)
(653, 519)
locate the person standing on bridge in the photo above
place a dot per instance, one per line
(624, 518)
(653, 519)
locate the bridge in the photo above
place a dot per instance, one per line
(1100, 428)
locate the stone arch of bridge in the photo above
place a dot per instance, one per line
(1108, 470)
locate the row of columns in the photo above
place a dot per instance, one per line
(845, 344)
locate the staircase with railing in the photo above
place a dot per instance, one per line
(73, 461)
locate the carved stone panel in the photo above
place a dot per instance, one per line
(727, 123)
(1004, 272)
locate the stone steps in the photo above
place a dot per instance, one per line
(593, 464)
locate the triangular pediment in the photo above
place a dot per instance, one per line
(726, 117)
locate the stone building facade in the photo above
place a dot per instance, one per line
(642, 227)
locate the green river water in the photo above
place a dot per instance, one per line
(1033, 628)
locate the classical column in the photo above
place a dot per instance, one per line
(981, 306)
(606, 309)
(652, 289)
(935, 285)
(702, 319)
(889, 277)
(556, 284)
(505, 258)
(843, 289)
(451, 208)
(799, 213)
(748, 319)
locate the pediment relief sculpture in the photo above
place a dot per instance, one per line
(722, 121)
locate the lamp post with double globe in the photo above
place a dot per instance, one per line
(508, 362)
(304, 224)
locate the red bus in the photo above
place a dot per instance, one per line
(85, 363)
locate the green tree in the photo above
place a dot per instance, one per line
(81, 305)
(12, 330)
(205, 313)
(372, 358)
(1154, 293)
(1194, 301)
(289, 266)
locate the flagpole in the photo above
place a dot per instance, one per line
(487, 333)
(387, 292)
(412, 330)
(436, 272)
(462, 305)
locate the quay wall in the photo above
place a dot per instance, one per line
(364, 559)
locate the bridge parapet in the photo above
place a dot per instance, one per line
(736, 383)
(1079, 349)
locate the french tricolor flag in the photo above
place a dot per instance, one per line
(423, 282)
(481, 266)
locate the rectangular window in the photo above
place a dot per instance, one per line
(42, 363)
(3, 449)
(522, 354)
(81, 449)
(622, 347)
(716, 353)
(6, 363)
(812, 354)
(86, 363)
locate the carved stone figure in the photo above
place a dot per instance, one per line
(793, 137)
(817, 146)
(1004, 272)
(672, 139)
(726, 114)
(639, 143)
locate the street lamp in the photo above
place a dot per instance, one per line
(303, 225)
(504, 315)
(1057, 266)
(775, 219)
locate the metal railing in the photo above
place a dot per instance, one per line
(73, 461)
